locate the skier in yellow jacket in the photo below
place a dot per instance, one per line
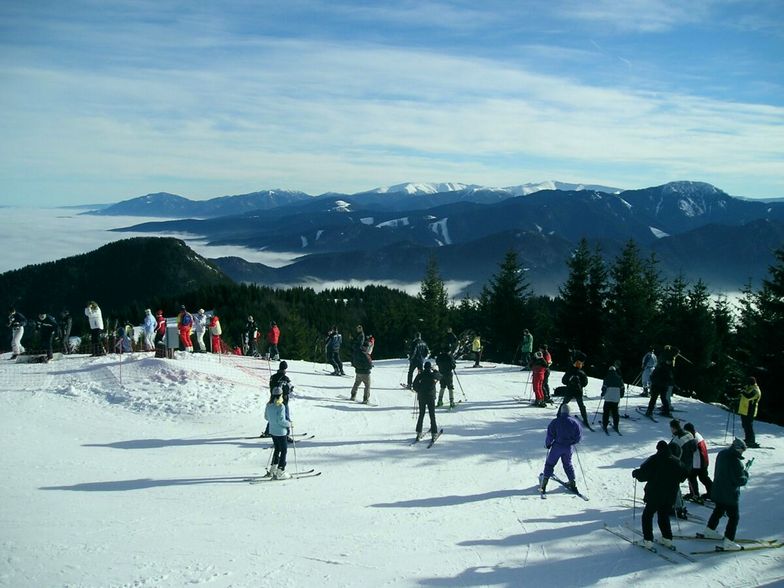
(747, 409)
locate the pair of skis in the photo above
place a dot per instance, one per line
(668, 553)
(543, 493)
(293, 476)
(432, 440)
(297, 437)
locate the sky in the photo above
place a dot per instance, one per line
(105, 101)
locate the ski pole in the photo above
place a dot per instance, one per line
(526, 387)
(582, 472)
(634, 502)
(269, 461)
(727, 425)
(294, 447)
(465, 399)
(597, 411)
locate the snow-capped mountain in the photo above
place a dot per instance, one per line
(530, 188)
(418, 189)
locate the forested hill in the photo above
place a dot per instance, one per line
(115, 275)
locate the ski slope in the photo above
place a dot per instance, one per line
(131, 472)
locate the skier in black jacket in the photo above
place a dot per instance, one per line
(64, 329)
(446, 365)
(419, 353)
(280, 380)
(16, 322)
(575, 380)
(46, 326)
(425, 388)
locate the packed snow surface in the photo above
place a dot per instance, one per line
(132, 472)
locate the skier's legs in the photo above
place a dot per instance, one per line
(281, 448)
(606, 414)
(552, 458)
(355, 387)
(655, 391)
(748, 429)
(411, 367)
(365, 378)
(538, 378)
(200, 341)
(647, 521)
(566, 461)
(431, 408)
(616, 417)
(718, 512)
(663, 518)
(581, 404)
(733, 514)
(422, 405)
(702, 473)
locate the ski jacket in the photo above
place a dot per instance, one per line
(649, 360)
(149, 323)
(688, 445)
(16, 320)
(476, 344)
(538, 365)
(547, 358)
(663, 473)
(334, 341)
(613, 388)
(728, 476)
(251, 330)
(563, 430)
(445, 362)
(700, 459)
(199, 322)
(160, 324)
(215, 326)
(663, 376)
(275, 414)
(419, 352)
(527, 346)
(425, 383)
(65, 322)
(184, 319)
(94, 316)
(575, 380)
(280, 378)
(749, 400)
(273, 335)
(47, 325)
(361, 360)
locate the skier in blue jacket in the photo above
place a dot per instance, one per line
(275, 413)
(563, 432)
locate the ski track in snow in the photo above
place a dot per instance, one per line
(131, 473)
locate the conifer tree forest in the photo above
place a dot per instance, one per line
(612, 310)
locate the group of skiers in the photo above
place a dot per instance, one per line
(252, 335)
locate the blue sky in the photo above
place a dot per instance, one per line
(102, 101)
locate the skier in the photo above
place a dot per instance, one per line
(149, 324)
(273, 336)
(419, 353)
(123, 342)
(663, 474)
(160, 326)
(64, 329)
(359, 337)
(699, 468)
(46, 326)
(446, 366)
(16, 322)
(251, 334)
(526, 348)
(334, 341)
(199, 327)
(95, 318)
(747, 409)
(546, 382)
(538, 368)
(728, 476)
(662, 381)
(685, 441)
(362, 363)
(575, 380)
(476, 349)
(563, 433)
(648, 365)
(613, 389)
(280, 379)
(425, 388)
(275, 414)
(215, 333)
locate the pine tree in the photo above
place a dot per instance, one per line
(433, 305)
(502, 308)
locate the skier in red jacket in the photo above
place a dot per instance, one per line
(273, 336)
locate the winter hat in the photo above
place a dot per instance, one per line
(147, 311)
(675, 449)
(564, 410)
(662, 447)
(739, 445)
(277, 391)
(428, 365)
(689, 427)
(283, 365)
(580, 356)
(201, 311)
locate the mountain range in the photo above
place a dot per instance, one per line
(694, 228)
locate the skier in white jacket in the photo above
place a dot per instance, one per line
(93, 314)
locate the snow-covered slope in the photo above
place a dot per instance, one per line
(132, 473)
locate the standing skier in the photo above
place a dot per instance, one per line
(280, 379)
(476, 349)
(747, 409)
(95, 318)
(334, 341)
(425, 388)
(728, 476)
(273, 336)
(685, 441)
(648, 365)
(148, 325)
(526, 348)
(613, 389)
(199, 328)
(663, 474)
(279, 425)
(16, 322)
(575, 380)
(160, 326)
(699, 468)
(215, 333)
(362, 363)
(416, 358)
(184, 326)
(46, 326)
(64, 329)
(446, 366)
(538, 369)
(251, 334)
(563, 433)
(662, 381)
(548, 359)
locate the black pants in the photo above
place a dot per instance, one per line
(657, 391)
(702, 474)
(662, 517)
(748, 429)
(427, 401)
(447, 382)
(546, 384)
(279, 453)
(579, 398)
(95, 342)
(610, 409)
(334, 360)
(733, 514)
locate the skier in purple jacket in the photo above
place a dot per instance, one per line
(562, 432)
